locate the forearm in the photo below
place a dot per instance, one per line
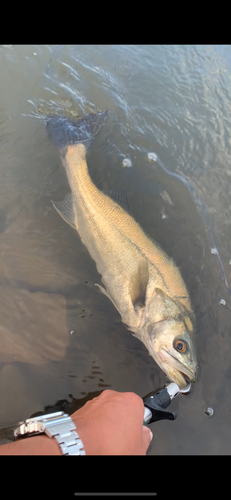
(35, 445)
(110, 424)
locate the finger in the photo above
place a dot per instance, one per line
(146, 436)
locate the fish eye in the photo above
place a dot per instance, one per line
(180, 345)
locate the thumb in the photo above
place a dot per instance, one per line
(146, 436)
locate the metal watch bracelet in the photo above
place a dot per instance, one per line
(57, 425)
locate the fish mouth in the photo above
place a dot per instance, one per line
(183, 376)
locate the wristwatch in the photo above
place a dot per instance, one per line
(55, 425)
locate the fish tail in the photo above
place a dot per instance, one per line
(63, 132)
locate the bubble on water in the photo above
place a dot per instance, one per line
(214, 251)
(209, 411)
(164, 216)
(152, 156)
(127, 163)
(222, 302)
(72, 332)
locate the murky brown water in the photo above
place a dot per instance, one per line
(60, 338)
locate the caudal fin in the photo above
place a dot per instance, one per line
(64, 132)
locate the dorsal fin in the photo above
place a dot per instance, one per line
(119, 197)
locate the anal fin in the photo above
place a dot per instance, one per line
(66, 210)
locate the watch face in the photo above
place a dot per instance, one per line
(39, 424)
(67, 437)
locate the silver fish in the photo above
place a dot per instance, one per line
(139, 278)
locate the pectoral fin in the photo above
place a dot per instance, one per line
(66, 210)
(138, 284)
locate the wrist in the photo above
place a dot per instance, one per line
(34, 445)
(59, 427)
(43, 445)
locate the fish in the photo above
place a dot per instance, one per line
(140, 279)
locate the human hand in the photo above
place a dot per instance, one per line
(112, 424)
